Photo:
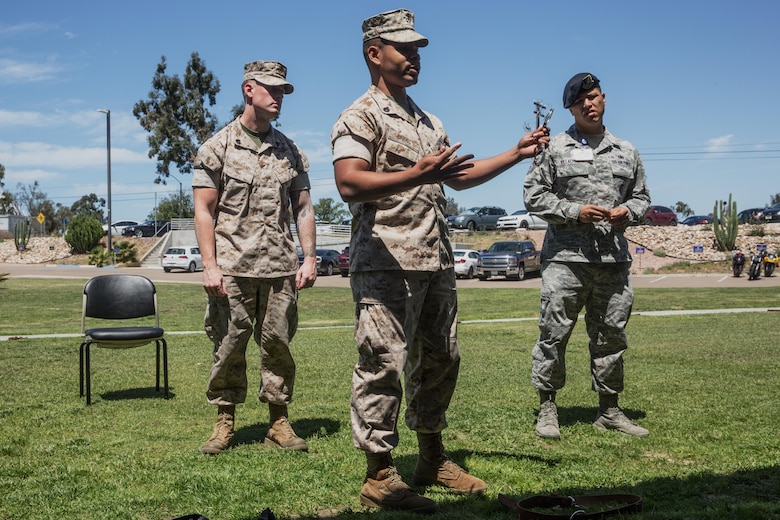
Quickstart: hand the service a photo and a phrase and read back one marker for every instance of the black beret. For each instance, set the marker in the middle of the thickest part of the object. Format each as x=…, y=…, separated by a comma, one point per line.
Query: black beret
x=578, y=85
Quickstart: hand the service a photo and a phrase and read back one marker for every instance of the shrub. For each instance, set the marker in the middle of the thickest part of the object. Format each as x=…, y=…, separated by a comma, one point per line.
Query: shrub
x=660, y=252
x=99, y=257
x=83, y=234
x=756, y=231
x=127, y=253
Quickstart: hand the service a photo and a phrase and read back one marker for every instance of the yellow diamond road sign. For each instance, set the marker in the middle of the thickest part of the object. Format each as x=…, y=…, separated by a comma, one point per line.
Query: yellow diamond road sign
x=41, y=218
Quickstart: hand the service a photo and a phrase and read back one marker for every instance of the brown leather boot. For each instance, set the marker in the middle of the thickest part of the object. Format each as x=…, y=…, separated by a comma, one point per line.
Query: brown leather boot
x=223, y=431
x=280, y=433
x=435, y=468
x=383, y=487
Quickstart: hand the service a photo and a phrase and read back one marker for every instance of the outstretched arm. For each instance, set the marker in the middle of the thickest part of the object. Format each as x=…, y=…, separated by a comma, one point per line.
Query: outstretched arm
x=485, y=169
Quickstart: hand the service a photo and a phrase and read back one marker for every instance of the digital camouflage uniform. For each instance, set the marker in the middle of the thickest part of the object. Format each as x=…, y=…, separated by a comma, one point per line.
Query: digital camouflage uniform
x=584, y=264
x=402, y=277
x=257, y=256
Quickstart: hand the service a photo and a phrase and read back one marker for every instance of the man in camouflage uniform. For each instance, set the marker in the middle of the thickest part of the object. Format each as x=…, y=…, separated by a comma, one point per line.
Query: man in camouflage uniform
x=589, y=186
x=246, y=179
x=390, y=160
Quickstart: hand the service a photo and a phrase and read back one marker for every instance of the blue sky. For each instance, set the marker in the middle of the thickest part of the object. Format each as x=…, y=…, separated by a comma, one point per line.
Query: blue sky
x=692, y=84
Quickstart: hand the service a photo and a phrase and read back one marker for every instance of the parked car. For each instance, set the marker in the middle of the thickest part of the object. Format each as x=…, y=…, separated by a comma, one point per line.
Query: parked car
x=182, y=257
x=521, y=219
x=465, y=262
x=119, y=226
x=660, y=216
x=749, y=216
x=300, y=259
x=148, y=228
x=344, y=262
x=509, y=258
x=328, y=262
x=485, y=217
x=771, y=214
x=695, y=220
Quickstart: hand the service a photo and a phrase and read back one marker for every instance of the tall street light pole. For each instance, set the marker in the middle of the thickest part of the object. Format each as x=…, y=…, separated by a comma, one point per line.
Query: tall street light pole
x=181, y=195
x=108, y=155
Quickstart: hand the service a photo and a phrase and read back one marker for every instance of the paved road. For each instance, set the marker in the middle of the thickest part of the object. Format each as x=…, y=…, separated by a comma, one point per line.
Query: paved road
x=534, y=281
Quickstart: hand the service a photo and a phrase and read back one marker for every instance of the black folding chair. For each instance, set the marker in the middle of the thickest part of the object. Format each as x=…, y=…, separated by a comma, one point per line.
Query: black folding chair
x=120, y=297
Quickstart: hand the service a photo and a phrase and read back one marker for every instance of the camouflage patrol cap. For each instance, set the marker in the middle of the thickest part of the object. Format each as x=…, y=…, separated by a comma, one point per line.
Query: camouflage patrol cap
x=271, y=73
x=394, y=26
x=578, y=85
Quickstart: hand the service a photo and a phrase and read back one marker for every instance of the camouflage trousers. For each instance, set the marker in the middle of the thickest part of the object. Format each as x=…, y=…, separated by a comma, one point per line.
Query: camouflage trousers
x=605, y=292
x=405, y=321
x=268, y=308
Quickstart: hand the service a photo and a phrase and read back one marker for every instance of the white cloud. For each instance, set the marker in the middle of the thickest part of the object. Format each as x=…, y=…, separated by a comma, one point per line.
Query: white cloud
x=32, y=155
x=14, y=71
x=719, y=144
x=14, y=31
x=13, y=177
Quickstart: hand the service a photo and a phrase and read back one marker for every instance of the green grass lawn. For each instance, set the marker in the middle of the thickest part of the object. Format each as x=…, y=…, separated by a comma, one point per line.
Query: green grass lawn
x=706, y=386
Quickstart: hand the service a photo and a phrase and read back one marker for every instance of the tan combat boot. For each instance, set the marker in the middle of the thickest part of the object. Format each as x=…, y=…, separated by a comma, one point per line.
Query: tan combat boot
x=435, y=468
x=383, y=487
x=223, y=431
x=611, y=417
x=280, y=433
x=547, y=421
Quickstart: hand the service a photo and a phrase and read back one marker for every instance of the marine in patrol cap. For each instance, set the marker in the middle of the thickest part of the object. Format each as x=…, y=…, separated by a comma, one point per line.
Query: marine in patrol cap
x=271, y=73
x=578, y=85
x=394, y=26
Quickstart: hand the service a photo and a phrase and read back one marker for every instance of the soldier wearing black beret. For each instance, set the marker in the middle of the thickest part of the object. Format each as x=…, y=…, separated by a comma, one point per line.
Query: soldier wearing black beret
x=589, y=186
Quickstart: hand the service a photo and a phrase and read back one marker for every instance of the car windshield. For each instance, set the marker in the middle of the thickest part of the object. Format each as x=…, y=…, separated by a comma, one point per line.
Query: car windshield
x=174, y=251
x=520, y=212
x=459, y=253
x=504, y=247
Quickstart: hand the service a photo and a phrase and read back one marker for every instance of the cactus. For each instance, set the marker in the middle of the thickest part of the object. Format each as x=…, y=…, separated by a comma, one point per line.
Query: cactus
x=22, y=231
x=725, y=224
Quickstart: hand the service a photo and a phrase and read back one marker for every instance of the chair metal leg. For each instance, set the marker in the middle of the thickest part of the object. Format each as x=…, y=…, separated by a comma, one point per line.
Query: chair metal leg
x=157, y=367
x=87, y=371
x=81, y=370
x=165, y=365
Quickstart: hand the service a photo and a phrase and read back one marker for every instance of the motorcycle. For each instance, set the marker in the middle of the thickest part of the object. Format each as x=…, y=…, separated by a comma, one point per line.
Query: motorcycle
x=738, y=264
x=770, y=262
x=756, y=261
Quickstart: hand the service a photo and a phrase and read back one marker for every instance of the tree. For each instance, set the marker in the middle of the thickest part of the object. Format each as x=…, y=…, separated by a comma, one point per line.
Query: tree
x=175, y=115
x=170, y=206
x=7, y=206
x=30, y=200
x=774, y=199
x=682, y=208
x=62, y=216
x=328, y=210
x=452, y=207
x=89, y=205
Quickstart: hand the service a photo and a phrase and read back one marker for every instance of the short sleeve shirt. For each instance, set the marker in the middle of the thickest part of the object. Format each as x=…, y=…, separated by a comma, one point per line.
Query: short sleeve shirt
x=407, y=230
x=572, y=174
x=252, y=220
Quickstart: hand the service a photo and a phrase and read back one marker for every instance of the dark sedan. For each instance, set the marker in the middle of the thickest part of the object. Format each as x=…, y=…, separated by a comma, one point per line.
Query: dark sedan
x=695, y=220
x=148, y=228
x=330, y=261
x=771, y=214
